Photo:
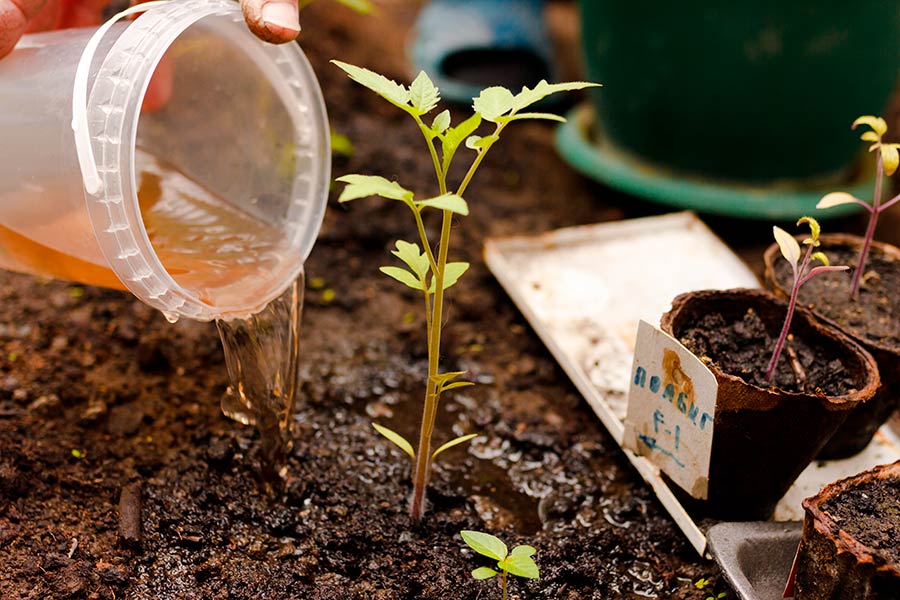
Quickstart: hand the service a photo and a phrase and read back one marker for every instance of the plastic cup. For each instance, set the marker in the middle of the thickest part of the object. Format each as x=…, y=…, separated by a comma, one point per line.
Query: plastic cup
x=246, y=121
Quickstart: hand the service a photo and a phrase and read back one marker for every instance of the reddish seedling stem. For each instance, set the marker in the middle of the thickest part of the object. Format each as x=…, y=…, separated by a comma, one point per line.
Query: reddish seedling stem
x=875, y=210
x=792, y=304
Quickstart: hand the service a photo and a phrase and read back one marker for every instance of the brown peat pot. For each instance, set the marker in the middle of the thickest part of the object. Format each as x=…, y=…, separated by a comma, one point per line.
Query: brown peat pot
x=873, y=320
x=765, y=435
x=850, y=549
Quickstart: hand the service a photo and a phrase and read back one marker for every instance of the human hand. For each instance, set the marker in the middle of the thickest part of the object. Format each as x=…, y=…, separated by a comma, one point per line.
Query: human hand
x=275, y=21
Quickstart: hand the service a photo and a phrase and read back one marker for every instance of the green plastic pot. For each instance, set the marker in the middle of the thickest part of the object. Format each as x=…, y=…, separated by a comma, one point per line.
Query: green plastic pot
x=741, y=91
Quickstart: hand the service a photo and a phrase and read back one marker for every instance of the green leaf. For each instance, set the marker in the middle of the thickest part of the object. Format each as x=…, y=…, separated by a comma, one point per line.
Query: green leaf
x=341, y=144
x=441, y=122
x=472, y=142
x=820, y=256
x=890, y=158
x=396, y=439
x=455, y=385
x=790, y=249
x=484, y=573
x=454, y=442
x=877, y=124
x=836, y=199
x=523, y=550
x=361, y=6
x=451, y=202
x=533, y=115
x=493, y=102
x=527, y=97
x=476, y=142
x=521, y=566
x=485, y=544
x=456, y=136
x=452, y=272
x=413, y=257
x=423, y=94
x=404, y=277
x=388, y=89
x=363, y=186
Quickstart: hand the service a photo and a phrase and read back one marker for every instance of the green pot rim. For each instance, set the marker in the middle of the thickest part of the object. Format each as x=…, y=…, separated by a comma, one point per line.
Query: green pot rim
x=781, y=200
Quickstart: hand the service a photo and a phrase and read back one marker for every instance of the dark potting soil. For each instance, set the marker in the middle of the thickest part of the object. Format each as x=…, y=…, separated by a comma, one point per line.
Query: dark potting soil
x=744, y=349
x=120, y=478
x=870, y=514
x=874, y=315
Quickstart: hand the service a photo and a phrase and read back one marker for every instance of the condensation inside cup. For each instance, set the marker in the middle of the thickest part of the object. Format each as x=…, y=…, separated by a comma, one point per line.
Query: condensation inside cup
x=216, y=164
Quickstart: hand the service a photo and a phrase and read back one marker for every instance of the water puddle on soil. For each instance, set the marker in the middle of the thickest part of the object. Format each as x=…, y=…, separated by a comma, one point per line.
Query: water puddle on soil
x=262, y=353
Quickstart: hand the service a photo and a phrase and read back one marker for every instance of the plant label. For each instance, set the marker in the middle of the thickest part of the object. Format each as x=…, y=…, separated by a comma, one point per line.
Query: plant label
x=671, y=409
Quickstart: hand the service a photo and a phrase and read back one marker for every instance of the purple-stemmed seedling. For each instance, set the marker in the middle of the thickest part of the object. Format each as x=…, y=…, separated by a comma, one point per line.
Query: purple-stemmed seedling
x=887, y=160
x=791, y=251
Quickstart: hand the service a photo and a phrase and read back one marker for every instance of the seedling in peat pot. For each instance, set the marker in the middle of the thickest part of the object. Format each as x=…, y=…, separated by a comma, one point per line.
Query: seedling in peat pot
x=887, y=160
x=790, y=249
x=519, y=562
x=428, y=270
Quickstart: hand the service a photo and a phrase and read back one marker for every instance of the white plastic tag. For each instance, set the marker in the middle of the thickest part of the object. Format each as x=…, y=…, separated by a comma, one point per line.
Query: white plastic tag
x=671, y=409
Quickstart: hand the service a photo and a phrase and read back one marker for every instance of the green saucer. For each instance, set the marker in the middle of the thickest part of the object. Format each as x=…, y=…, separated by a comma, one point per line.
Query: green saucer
x=777, y=201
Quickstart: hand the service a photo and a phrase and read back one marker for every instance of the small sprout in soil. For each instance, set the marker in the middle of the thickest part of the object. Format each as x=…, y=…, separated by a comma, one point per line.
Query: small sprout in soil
x=701, y=583
x=519, y=562
x=887, y=160
x=719, y=597
x=426, y=266
x=76, y=453
x=790, y=249
x=341, y=144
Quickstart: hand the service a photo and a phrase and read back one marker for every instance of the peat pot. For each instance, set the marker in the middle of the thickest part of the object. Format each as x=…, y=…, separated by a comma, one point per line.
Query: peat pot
x=850, y=549
x=873, y=320
x=766, y=434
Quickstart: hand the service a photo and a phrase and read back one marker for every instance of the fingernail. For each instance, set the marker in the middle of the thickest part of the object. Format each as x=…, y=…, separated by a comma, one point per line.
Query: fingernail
x=281, y=14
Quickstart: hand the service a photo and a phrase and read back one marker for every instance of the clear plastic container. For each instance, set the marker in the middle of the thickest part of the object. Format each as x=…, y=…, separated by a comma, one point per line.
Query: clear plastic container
x=205, y=208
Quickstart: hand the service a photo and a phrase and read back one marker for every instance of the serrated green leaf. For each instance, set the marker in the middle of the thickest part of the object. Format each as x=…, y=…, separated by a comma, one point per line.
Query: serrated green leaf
x=452, y=202
x=423, y=94
x=878, y=125
x=454, y=442
x=535, y=115
x=520, y=566
x=493, y=102
x=363, y=186
x=485, y=544
x=414, y=258
x=396, y=439
x=789, y=247
x=523, y=550
x=484, y=573
x=403, y=276
x=890, y=158
x=452, y=272
x=456, y=136
x=441, y=122
x=388, y=89
x=836, y=199
x=527, y=97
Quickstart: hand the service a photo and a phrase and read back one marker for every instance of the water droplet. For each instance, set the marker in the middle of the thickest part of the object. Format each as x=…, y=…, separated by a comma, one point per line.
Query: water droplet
x=170, y=317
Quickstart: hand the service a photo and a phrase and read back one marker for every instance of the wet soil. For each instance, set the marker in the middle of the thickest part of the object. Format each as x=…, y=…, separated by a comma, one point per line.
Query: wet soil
x=120, y=478
x=744, y=348
x=875, y=315
x=870, y=514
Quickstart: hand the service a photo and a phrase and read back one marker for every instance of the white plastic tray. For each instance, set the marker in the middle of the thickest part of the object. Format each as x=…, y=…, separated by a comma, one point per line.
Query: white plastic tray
x=584, y=289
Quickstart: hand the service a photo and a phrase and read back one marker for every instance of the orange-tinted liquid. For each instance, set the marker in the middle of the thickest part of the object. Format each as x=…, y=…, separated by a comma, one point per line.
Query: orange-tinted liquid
x=223, y=255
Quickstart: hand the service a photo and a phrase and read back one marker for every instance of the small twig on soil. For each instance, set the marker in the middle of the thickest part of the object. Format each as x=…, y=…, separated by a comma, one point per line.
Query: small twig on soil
x=130, y=515
x=796, y=367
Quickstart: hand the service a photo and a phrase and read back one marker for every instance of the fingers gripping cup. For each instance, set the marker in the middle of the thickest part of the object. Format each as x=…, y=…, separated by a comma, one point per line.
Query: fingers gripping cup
x=204, y=207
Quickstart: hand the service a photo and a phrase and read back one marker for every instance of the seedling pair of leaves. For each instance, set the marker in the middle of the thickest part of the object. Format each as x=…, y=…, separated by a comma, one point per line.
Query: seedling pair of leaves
x=519, y=562
x=887, y=158
x=426, y=268
x=802, y=270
